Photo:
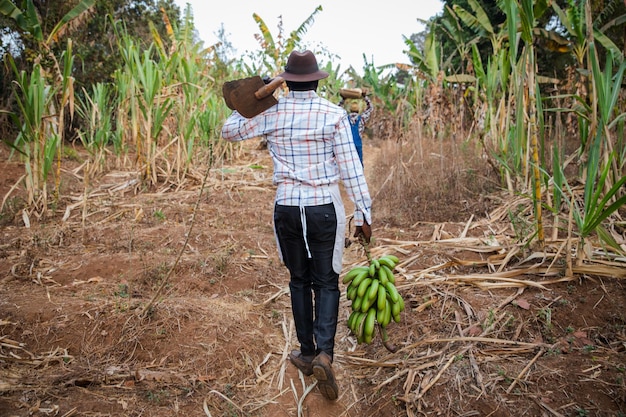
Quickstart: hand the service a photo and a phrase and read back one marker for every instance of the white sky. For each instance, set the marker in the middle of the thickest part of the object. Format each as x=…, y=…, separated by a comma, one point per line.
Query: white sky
x=344, y=27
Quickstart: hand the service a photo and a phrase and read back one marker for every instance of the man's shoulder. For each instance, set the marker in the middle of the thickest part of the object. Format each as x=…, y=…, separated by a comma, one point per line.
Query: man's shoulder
x=332, y=107
x=322, y=104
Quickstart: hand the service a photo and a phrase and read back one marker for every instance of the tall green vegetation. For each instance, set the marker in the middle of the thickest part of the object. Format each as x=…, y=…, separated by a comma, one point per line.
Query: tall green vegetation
x=42, y=97
x=37, y=140
x=157, y=112
x=169, y=103
x=43, y=61
x=521, y=115
x=604, y=173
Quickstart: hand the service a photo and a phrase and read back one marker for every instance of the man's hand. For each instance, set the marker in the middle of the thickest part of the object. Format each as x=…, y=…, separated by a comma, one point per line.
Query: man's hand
x=364, y=231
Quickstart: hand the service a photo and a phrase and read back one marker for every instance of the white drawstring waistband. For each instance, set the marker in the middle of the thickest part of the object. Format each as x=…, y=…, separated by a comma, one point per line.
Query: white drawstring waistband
x=304, y=231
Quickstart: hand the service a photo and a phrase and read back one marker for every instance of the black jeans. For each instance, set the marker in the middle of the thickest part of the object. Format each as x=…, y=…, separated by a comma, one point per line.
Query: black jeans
x=315, y=319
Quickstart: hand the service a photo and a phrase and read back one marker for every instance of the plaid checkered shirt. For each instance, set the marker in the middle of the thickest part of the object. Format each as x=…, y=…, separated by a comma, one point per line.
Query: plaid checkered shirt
x=310, y=142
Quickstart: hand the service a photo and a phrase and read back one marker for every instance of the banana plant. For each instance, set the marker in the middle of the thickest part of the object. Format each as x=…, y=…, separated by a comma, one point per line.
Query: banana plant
x=573, y=19
x=479, y=22
x=401, y=101
x=426, y=60
x=28, y=20
x=450, y=24
x=277, y=50
x=577, y=21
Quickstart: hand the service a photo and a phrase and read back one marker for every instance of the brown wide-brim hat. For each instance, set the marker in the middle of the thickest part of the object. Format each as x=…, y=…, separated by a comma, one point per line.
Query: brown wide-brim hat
x=302, y=67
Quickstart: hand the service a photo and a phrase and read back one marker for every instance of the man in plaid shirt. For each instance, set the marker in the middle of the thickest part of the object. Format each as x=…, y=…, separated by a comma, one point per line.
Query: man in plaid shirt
x=310, y=142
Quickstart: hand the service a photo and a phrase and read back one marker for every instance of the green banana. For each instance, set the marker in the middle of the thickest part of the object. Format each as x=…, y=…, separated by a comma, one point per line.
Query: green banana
x=351, y=274
x=376, y=263
x=385, y=260
x=401, y=301
x=368, y=327
x=372, y=292
x=382, y=276
x=395, y=308
x=393, y=259
x=367, y=338
x=366, y=304
x=359, y=327
x=351, y=293
x=351, y=318
x=372, y=269
x=381, y=298
x=380, y=315
x=356, y=304
x=392, y=291
x=387, y=316
x=389, y=274
x=375, y=298
x=359, y=278
x=364, y=286
x=396, y=317
x=355, y=322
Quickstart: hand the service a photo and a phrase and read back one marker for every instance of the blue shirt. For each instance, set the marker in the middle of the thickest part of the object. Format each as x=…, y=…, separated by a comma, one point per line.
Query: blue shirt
x=310, y=142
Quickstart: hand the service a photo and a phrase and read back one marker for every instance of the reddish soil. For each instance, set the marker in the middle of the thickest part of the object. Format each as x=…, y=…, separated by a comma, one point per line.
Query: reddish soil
x=213, y=342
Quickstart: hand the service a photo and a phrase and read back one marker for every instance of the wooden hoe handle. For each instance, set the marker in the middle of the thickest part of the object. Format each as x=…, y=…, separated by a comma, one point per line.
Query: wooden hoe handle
x=269, y=88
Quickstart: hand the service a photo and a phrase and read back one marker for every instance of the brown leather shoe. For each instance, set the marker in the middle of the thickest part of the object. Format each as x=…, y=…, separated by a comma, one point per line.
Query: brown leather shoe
x=302, y=362
x=323, y=371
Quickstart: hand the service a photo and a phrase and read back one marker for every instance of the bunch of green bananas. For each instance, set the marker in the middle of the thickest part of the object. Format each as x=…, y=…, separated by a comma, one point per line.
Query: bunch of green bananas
x=374, y=297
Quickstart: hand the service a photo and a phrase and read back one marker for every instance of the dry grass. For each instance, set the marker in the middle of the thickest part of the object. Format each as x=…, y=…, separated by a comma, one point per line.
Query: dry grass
x=430, y=180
